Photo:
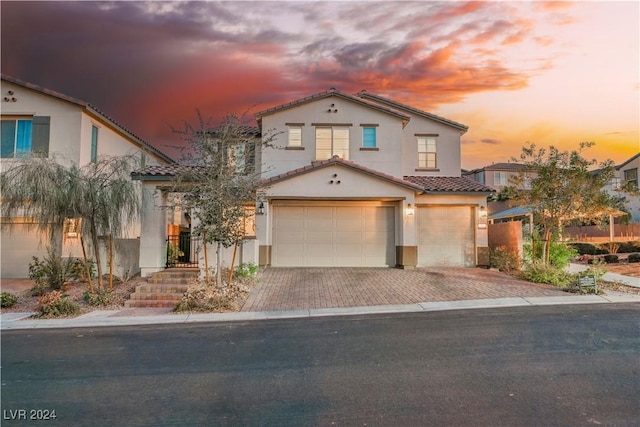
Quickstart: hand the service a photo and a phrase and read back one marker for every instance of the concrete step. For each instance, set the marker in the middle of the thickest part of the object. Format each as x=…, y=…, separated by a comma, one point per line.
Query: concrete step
x=162, y=288
x=181, y=276
x=155, y=296
x=132, y=303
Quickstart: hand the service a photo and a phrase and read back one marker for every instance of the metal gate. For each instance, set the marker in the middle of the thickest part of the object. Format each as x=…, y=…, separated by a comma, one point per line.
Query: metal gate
x=183, y=250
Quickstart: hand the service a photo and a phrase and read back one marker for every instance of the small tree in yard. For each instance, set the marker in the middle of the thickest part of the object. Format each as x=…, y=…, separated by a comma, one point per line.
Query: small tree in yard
x=218, y=180
x=558, y=187
x=101, y=194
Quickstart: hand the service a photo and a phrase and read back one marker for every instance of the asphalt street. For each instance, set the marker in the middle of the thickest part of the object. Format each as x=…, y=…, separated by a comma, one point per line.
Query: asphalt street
x=546, y=365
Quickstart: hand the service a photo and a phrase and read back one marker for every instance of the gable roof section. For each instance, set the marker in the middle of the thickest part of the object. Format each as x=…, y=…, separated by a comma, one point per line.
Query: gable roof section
x=621, y=165
x=397, y=105
x=448, y=184
x=509, y=167
x=335, y=160
x=94, y=112
x=331, y=93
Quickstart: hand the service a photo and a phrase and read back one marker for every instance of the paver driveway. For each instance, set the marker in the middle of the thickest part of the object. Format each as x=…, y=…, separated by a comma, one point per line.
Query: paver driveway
x=310, y=288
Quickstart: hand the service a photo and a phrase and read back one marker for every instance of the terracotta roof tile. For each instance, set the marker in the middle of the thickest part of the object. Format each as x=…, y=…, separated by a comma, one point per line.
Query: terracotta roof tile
x=448, y=184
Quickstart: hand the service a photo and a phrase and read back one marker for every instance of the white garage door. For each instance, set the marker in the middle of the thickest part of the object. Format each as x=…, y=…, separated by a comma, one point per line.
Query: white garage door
x=446, y=237
x=19, y=245
x=333, y=236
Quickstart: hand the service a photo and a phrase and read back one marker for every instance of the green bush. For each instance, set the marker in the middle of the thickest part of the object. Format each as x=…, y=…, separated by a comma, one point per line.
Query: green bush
x=504, y=259
x=588, y=249
x=7, y=300
x=246, y=270
x=629, y=247
x=560, y=254
x=611, y=259
x=635, y=257
x=55, y=304
x=551, y=275
x=50, y=273
x=99, y=298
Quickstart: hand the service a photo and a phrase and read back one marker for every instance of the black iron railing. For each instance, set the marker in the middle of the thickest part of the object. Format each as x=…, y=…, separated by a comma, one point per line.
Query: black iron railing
x=183, y=250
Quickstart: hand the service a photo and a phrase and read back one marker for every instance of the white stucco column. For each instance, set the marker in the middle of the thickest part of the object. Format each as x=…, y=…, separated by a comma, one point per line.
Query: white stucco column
x=153, y=236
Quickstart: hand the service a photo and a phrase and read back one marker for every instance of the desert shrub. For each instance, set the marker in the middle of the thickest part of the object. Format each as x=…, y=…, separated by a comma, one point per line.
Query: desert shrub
x=246, y=270
x=611, y=259
x=635, y=257
x=208, y=298
x=56, y=304
x=586, y=248
x=629, y=247
x=7, y=300
x=78, y=270
x=50, y=273
x=560, y=254
x=98, y=298
x=550, y=274
x=505, y=259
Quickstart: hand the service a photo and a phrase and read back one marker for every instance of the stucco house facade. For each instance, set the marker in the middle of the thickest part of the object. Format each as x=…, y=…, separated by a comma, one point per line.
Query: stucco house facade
x=626, y=173
x=36, y=119
x=350, y=180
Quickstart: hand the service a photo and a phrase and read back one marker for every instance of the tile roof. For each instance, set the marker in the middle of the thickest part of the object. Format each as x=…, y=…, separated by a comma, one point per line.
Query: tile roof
x=448, y=184
x=381, y=99
x=513, y=167
x=335, y=160
x=331, y=92
x=157, y=172
x=92, y=110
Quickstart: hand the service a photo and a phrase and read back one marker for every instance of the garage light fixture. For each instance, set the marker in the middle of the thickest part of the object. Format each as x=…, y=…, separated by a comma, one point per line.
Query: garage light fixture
x=260, y=210
x=409, y=210
x=483, y=212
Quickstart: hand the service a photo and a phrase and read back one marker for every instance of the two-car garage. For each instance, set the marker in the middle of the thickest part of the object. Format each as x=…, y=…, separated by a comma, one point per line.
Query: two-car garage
x=361, y=234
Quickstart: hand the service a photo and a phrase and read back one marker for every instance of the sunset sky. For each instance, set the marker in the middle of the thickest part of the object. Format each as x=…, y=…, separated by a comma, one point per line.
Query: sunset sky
x=550, y=73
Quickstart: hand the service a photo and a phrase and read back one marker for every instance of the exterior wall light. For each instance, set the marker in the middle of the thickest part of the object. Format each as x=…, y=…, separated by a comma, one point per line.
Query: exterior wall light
x=410, y=209
x=260, y=210
x=482, y=213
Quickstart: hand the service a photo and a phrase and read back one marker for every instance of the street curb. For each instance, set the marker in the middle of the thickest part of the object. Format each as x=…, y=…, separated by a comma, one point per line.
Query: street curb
x=100, y=318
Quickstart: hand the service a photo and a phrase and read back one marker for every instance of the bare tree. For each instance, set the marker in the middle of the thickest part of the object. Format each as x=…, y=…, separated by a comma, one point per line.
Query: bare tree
x=218, y=180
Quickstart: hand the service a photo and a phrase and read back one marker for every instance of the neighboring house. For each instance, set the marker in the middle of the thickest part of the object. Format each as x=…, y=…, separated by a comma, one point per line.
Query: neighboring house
x=35, y=119
x=497, y=175
x=351, y=180
x=626, y=174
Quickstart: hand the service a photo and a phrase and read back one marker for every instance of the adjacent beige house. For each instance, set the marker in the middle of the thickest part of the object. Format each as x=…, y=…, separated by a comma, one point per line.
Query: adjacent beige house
x=351, y=180
x=33, y=119
x=626, y=173
x=496, y=175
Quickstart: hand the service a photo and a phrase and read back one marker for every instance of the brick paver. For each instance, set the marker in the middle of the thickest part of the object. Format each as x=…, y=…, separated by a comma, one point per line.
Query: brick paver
x=311, y=288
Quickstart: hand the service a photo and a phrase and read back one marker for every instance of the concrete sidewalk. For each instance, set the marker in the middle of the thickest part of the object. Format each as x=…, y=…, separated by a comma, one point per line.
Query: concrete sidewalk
x=13, y=321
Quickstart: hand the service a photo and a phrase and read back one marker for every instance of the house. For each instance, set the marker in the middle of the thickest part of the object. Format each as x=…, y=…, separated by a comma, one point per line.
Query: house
x=350, y=180
x=496, y=175
x=36, y=119
x=626, y=174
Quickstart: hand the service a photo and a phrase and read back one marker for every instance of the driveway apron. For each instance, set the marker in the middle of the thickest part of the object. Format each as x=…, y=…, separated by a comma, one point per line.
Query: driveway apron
x=310, y=288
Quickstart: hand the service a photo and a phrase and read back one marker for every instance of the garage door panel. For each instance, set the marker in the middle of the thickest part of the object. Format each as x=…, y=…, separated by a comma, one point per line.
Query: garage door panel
x=446, y=236
x=334, y=236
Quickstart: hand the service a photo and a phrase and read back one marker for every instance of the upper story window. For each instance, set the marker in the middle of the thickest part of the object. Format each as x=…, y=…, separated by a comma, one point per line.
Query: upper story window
x=94, y=144
x=332, y=141
x=427, y=154
x=499, y=178
x=631, y=176
x=238, y=157
x=24, y=136
x=295, y=136
x=369, y=137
